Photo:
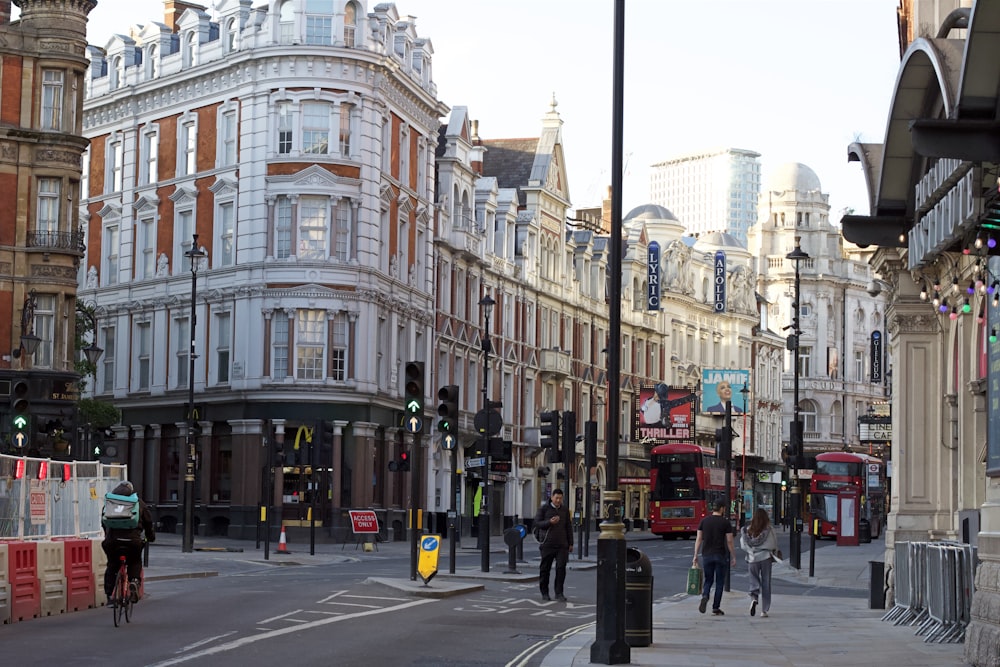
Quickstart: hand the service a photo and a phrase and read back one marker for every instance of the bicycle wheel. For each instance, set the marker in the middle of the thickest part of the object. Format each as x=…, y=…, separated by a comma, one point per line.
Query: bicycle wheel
x=120, y=597
x=119, y=608
x=127, y=606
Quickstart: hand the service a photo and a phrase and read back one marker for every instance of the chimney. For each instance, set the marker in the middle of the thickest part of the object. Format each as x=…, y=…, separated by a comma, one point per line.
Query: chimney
x=172, y=11
x=4, y=12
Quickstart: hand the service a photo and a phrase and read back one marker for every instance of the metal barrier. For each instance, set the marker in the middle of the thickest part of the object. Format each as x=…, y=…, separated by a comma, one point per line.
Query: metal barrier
x=934, y=583
x=42, y=498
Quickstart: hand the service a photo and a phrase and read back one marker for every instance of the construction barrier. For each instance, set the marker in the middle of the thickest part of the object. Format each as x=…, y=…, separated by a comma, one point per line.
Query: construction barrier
x=22, y=559
x=51, y=578
x=79, y=574
x=99, y=561
x=934, y=585
x=5, y=597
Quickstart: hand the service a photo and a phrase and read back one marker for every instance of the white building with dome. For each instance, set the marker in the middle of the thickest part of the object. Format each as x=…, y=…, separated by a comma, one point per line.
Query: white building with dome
x=839, y=377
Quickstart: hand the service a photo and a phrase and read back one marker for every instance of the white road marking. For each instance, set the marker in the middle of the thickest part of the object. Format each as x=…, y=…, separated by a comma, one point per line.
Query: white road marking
x=278, y=618
x=244, y=641
x=204, y=641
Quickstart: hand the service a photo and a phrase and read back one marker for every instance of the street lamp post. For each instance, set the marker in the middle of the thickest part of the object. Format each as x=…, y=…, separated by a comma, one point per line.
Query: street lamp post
x=194, y=255
x=745, y=392
x=795, y=437
x=486, y=303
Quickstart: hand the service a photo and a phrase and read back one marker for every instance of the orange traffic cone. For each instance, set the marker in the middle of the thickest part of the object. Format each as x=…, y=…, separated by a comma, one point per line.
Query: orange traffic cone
x=283, y=543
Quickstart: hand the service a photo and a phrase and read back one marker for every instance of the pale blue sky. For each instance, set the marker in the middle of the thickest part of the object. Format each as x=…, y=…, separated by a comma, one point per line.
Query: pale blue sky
x=795, y=80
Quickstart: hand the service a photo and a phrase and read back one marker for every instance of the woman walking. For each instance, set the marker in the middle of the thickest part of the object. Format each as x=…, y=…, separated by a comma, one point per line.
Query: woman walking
x=760, y=542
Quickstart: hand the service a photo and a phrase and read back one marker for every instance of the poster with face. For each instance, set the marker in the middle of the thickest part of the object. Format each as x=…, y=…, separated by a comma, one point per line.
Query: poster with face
x=664, y=414
x=720, y=385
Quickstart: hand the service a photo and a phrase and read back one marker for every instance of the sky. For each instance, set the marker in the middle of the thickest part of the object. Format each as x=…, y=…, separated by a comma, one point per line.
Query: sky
x=795, y=80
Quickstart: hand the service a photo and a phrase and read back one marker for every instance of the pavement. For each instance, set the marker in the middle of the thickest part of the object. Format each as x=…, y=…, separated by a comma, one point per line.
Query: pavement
x=828, y=624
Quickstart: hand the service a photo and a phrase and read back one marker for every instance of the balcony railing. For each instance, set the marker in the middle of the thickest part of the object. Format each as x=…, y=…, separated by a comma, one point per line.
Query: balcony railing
x=554, y=362
x=67, y=241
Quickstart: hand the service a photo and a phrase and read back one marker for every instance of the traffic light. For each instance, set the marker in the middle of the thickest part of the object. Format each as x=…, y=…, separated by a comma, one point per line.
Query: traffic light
x=19, y=407
x=549, y=434
x=590, y=444
x=569, y=438
x=323, y=454
x=402, y=461
x=784, y=485
x=795, y=439
x=448, y=409
x=724, y=443
x=413, y=389
x=501, y=450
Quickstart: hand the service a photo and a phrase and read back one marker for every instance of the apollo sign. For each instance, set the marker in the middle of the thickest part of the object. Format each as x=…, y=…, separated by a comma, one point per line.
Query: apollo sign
x=719, y=281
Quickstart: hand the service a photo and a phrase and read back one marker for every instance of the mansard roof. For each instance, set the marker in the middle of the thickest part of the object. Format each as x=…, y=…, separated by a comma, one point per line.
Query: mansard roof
x=510, y=161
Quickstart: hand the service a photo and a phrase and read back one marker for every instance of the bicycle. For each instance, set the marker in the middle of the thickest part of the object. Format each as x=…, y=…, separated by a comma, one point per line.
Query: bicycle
x=121, y=596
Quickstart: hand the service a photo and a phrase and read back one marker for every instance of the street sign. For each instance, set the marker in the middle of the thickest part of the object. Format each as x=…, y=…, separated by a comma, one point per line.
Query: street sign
x=414, y=424
x=427, y=564
x=448, y=442
x=488, y=421
x=20, y=439
x=476, y=462
x=363, y=521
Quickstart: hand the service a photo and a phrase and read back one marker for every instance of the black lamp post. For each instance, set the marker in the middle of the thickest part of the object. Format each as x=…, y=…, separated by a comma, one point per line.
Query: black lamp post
x=795, y=439
x=194, y=255
x=486, y=303
x=29, y=341
x=92, y=352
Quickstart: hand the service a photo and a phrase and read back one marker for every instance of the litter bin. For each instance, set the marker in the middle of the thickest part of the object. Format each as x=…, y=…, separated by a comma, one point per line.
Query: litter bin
x=876, y=585
x=864, y=531
x=638, y=598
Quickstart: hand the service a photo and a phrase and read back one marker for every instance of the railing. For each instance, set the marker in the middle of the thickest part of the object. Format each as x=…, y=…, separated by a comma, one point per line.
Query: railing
x=933, y=588
x=72, y=241
x=60, y=504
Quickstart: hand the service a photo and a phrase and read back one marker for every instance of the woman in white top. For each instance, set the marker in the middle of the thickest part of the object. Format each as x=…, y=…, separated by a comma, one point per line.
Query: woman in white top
x=760, y=542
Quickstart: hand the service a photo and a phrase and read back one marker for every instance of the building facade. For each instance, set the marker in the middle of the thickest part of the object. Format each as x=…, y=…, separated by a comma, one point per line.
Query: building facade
x=710, y=191
x=42, y=72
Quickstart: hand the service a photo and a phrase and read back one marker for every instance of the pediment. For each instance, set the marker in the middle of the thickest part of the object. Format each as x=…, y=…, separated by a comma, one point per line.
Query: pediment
x=182, y=193
x=146, y=200
x=224, y=186
x=111, y=209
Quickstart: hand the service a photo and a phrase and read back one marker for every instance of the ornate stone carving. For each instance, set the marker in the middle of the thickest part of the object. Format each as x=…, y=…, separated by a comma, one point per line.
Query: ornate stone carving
x=914, y=323
x=52, y=155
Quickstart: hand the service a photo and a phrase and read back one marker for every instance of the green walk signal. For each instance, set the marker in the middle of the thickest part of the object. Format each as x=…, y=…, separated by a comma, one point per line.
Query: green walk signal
x=20, y=422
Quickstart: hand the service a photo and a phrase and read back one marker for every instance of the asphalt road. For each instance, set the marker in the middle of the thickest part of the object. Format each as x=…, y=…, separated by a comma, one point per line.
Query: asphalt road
x=258, y=613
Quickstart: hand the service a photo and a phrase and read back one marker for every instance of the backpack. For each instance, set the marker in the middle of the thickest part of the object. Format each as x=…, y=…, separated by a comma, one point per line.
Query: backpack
x=120, y=512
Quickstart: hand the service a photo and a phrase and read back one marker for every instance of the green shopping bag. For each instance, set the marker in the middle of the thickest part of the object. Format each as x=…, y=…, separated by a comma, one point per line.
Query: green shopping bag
x=694, y=581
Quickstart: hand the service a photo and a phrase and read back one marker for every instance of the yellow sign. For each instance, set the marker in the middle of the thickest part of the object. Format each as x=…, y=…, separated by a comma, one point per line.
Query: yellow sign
x=427, y=562
x=303, y=431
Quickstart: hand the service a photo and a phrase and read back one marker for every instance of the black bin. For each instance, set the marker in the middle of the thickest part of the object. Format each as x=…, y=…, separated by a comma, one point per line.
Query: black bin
x=876, y=585
x=864, y=531
x=638, y=598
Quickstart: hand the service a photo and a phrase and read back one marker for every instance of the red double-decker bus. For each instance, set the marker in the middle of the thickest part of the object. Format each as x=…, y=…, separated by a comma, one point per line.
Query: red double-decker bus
x=834, y=471
x=685, y=480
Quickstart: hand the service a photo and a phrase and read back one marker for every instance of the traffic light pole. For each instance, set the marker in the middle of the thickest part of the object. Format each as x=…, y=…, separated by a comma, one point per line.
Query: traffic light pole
x=415, y=468
x=486, y=303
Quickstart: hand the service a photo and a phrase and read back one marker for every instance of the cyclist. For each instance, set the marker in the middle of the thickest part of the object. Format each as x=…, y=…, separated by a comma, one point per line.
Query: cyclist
x=123, y=535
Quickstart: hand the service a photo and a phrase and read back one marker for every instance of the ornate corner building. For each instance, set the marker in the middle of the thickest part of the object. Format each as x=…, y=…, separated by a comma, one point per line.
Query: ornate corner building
x=42, y=72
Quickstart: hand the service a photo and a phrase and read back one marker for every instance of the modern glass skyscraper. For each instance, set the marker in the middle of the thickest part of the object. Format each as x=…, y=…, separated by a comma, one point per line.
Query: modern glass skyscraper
x=710, y=191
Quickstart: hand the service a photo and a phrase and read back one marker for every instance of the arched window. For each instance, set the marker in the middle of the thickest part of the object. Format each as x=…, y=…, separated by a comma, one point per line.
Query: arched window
x=231, y=35
x=117, y=72
x=350, y=24
x=188, y=55
x=154, y=62
x=809, y=417
x=286, y=22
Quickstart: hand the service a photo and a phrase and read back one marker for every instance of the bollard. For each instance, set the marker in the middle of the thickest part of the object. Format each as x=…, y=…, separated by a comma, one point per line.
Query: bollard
x=513, y=537
x=876, y=585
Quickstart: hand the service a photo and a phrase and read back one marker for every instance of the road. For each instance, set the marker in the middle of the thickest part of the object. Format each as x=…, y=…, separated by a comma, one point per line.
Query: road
x=258, y=613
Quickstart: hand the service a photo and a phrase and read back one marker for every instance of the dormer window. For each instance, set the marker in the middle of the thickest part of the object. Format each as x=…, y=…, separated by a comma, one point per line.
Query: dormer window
x=231, y=35
x=319, y=21
x=286, y=22
x=189, y=44
x=350, y=24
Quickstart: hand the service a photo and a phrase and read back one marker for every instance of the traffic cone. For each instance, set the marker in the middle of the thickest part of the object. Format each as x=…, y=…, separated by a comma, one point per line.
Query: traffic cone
x=283, y=543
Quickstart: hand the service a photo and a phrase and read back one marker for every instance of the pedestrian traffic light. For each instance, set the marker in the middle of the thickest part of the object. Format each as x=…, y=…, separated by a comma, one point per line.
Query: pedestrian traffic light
x=590, y=444
x=448, y=409
x=548, y=434
x=413, y=389
x=569, y=438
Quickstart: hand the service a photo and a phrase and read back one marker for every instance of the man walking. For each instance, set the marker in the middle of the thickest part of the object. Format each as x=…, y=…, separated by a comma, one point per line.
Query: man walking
x=718, y=553
x=555, y=541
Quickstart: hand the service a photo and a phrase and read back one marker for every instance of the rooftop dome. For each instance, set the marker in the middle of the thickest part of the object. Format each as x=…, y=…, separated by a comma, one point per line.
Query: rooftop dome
x=718, y=240
x=649, y=212
x=793, y=176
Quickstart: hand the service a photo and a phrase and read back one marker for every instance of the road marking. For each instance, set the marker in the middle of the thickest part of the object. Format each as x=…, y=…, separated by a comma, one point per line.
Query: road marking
x=527, y=654
x=204, y=641
x=244, y=641
x=278, y=618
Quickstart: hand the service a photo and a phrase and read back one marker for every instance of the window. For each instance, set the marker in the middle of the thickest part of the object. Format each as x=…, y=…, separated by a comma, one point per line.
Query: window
x=45, y=318
x=188, y=144
x=222, y=347
x=859, y=365
x=113, y=167
x=153, y=59
x=319, y=22
x=309, y=344
x=404, y=155
x=182, y=348
x=284, y=128
x=316, y=128
x=117, y=73
x=230, y=35
x=350, y=22
x=108, y=360
x=338, y=347
x=146, y=248
x=344, y=231
x=312, y=227
x=149, y=155
x=807, y=413
x=52, y=99
x=189, y=44
x=227, y=138
x=345, y=129
x=110, y=248
x=227, y=232
x=280, y=345
x=283, y=228
x=805, y=360
x=47, y=219
x=143, y=346
x=286, y=22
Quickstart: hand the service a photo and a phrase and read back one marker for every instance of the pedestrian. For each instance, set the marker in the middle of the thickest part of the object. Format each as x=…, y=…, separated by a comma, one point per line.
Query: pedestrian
x=760, y=543
x=715, y=540
x=555, y=542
